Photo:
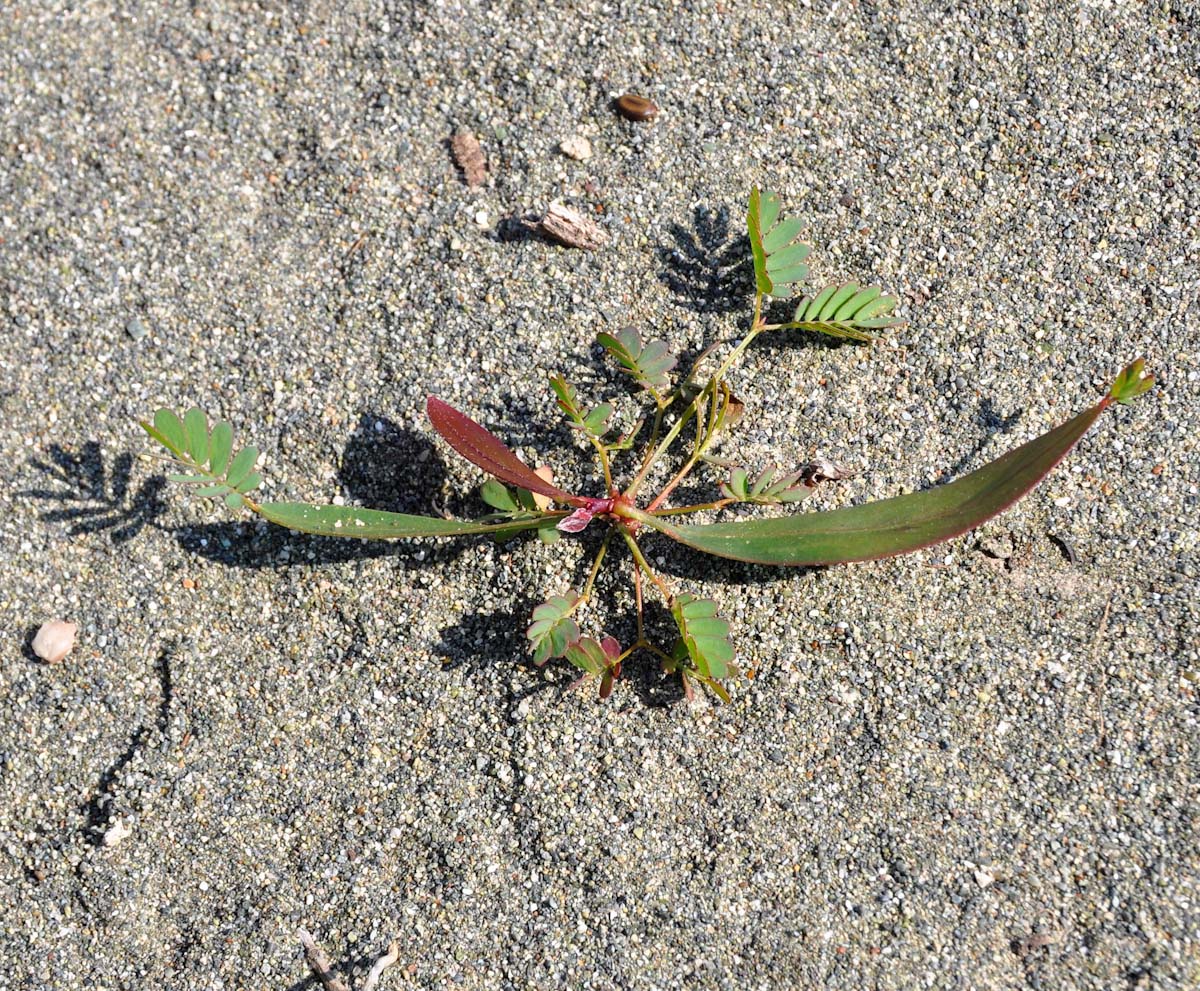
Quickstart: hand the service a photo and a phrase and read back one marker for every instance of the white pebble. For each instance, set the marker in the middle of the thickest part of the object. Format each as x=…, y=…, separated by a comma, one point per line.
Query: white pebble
x=116, y=832
x=54, y=640
x=481, y=218
x=578, y=148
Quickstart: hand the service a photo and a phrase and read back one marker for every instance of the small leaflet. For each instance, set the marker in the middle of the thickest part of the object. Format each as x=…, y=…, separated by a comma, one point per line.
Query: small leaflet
x=468, y=155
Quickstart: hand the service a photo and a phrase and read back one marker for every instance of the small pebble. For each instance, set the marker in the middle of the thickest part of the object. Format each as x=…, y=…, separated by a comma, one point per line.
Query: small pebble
x=634, y=107
x=117, y=832
x=481, y=218
x=54, y=640
x=578, y=148
x=136, y=329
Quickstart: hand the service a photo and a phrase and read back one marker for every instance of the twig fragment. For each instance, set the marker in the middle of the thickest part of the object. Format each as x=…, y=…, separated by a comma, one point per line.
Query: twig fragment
x=570, y=227
x=318, y=963
x=382, y=964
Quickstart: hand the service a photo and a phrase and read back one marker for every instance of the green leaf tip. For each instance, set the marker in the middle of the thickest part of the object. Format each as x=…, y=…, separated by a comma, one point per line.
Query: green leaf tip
x=1131, y=383
x=778, y=256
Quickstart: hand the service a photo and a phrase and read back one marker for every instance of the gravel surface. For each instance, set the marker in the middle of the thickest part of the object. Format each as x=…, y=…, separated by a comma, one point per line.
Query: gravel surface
x=974, y=767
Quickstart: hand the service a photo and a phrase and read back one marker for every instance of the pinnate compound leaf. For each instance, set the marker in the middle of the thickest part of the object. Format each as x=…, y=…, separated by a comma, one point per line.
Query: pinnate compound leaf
x=648, y=364
x=553, y=629
x=704, y=634
x=891, y=526
x=205, y=455
x=594, y=422
x=847, y=311
x=766, y=489
x=483, y=448
x=778, y=260
x=597, y=659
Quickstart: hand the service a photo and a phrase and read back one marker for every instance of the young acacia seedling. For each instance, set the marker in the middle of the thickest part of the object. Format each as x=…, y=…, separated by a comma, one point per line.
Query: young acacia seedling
x=685, y=417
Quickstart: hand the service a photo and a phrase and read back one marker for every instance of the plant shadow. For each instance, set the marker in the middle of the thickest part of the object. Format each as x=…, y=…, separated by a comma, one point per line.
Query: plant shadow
x=708, y=268
x=388, y=467
x=93, y=498
x=993, y=423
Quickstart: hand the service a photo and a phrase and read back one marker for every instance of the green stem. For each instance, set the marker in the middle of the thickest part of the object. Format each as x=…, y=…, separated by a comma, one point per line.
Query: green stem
x=587, y=589
x=653, y=453
x=644, y=564
x=756, y=327
x=696, y=508
x=637, y=595
x=602, y=451
x=658, y=452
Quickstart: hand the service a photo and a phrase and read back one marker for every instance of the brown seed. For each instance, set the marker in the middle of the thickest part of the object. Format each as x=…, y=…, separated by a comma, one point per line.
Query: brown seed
x=634, y=107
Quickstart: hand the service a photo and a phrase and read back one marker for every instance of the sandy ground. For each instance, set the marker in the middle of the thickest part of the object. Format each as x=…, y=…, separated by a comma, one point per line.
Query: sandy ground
x=965, y=768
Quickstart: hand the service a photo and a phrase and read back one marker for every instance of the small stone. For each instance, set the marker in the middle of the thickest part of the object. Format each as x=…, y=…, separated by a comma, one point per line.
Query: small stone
x=984, y=877
x=54, y=640
x=634, y=107
x=136, y=329
x=1001, y=548
x=481, y=218
x=117, y=832
x=577, y=147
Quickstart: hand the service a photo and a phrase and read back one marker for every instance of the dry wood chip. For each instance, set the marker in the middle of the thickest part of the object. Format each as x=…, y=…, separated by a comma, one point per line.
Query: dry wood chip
x=318, y=963
x=824, y=470
x=469, y=157
x=570, y=227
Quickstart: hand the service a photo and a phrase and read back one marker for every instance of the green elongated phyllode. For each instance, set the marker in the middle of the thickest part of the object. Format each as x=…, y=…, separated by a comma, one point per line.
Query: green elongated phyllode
x=891, y=526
